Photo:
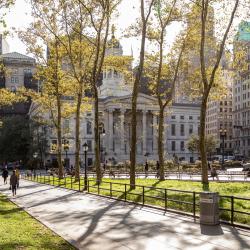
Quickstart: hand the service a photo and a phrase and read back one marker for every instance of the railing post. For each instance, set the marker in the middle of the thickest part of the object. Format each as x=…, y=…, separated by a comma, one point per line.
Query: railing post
x=88, y=186
x=53, y=180
x=40, y=178
x=64, y=181
x=166, y=199
x=44, y=179
x=143, y=198
x=49, y=179
x=98, y=187
x=194, y=204
x=110, y=184
x=232, y=210
x=71, y=184
x=125, y=192
x=79, y=184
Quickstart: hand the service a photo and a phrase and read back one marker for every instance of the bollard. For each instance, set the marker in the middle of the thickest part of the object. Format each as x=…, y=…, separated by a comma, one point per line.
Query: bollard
x=166, y=199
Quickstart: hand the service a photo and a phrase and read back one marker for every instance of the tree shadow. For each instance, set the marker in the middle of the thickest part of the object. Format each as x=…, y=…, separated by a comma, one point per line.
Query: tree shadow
x=10, y=211
x=45, y=244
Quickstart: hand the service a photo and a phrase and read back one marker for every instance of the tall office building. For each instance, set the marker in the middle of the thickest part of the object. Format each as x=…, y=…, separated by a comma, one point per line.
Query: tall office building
x=219, y=120
x=241, y=93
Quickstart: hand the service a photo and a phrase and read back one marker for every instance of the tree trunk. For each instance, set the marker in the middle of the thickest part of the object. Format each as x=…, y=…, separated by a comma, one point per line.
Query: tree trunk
x=161, y=143
x=97, y=137
x=202, y=145
x=134, y=109
x=133, y=139
x=77, y=139
x=59, y=138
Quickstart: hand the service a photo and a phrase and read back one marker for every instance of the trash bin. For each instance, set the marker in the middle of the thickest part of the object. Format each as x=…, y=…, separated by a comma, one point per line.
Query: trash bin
x=209, y=208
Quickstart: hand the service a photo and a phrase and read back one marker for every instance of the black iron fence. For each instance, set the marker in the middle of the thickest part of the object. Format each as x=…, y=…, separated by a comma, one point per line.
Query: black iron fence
x=233, y=210
x=228, y=175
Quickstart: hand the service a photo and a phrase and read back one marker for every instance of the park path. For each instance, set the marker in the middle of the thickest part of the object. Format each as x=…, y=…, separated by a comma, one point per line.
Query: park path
x=90, y=222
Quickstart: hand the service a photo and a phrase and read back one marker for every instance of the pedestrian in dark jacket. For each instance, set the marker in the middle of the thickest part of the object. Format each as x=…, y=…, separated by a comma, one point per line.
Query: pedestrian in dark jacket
x=214, y=173
x=157, y=169
x=13, y=182
x=146, y=169
x=5, y=175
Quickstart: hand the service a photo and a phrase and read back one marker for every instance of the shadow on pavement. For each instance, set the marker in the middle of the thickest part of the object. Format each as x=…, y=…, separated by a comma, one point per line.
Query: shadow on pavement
x=110, y=223
x=211, y=230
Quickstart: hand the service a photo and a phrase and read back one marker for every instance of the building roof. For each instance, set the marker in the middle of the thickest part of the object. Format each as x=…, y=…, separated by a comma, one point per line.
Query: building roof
x=16, y=55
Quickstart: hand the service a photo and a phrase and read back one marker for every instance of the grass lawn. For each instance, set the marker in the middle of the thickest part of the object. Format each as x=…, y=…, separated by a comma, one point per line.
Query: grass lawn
x=154, y=196
x=18, y=230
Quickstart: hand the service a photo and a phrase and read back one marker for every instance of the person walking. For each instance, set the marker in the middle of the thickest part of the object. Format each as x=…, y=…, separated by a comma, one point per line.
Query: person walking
x=157, y=169
x=146, y=169
x=18, y=176
x=5, y=175
x=13, y=182
x=214, y=173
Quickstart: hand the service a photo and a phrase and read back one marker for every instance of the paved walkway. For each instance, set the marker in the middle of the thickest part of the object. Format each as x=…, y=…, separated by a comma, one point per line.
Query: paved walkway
x=93, y=223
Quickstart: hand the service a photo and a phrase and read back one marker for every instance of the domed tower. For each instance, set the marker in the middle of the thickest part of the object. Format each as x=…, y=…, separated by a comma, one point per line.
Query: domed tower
x=113, y=83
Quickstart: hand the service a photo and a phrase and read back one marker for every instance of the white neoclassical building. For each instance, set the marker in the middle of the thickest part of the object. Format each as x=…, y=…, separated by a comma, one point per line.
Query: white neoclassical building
x=182, y=120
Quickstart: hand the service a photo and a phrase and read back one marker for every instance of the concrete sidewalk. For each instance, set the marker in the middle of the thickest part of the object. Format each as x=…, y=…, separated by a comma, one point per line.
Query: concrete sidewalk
x=93, y=223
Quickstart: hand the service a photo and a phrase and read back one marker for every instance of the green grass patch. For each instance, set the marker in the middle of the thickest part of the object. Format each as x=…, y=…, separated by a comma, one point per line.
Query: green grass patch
x=18, y=230
x=155, y=193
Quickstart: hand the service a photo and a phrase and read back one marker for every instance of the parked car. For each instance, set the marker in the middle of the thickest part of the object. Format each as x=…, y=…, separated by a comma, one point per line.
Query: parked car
x=53, y=171
x=246, y=167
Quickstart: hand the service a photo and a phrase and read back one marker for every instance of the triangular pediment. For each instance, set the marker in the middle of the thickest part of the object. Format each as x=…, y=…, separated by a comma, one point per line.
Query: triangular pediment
x=142, y=99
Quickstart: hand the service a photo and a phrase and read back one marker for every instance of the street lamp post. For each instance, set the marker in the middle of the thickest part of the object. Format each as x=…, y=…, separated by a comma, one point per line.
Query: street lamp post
x=85, y=149
x=35, y=155
x=66, y=148
x=223, y=134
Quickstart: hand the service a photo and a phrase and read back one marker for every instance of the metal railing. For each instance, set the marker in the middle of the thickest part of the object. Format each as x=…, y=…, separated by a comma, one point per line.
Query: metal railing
x=230, y=176
x=174, y=200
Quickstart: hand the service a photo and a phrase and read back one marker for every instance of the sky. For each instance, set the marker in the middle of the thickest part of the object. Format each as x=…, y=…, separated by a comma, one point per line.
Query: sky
x=19, y=17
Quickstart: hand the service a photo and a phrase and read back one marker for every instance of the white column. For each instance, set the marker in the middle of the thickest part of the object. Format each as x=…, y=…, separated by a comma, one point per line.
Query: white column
x=122, y=148
x=111, y=136
x=155, y=135
x=165, y=135
x=144, y=131
x=106, y=127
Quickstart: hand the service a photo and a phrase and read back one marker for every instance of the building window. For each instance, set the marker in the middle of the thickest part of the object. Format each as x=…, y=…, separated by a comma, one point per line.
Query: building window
x=182, y=117
x=173, y=117
x=66, y=125
x=191, y=129
x=27, y=71
x=13, y=89
x=16, y=80
x=182, y=146
x=12, y=79
x=89, y=142
x=90, y=161
x=89, y=128
x=173, y=129
x=173, y=145
x=182, y=128
x=190, y=117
